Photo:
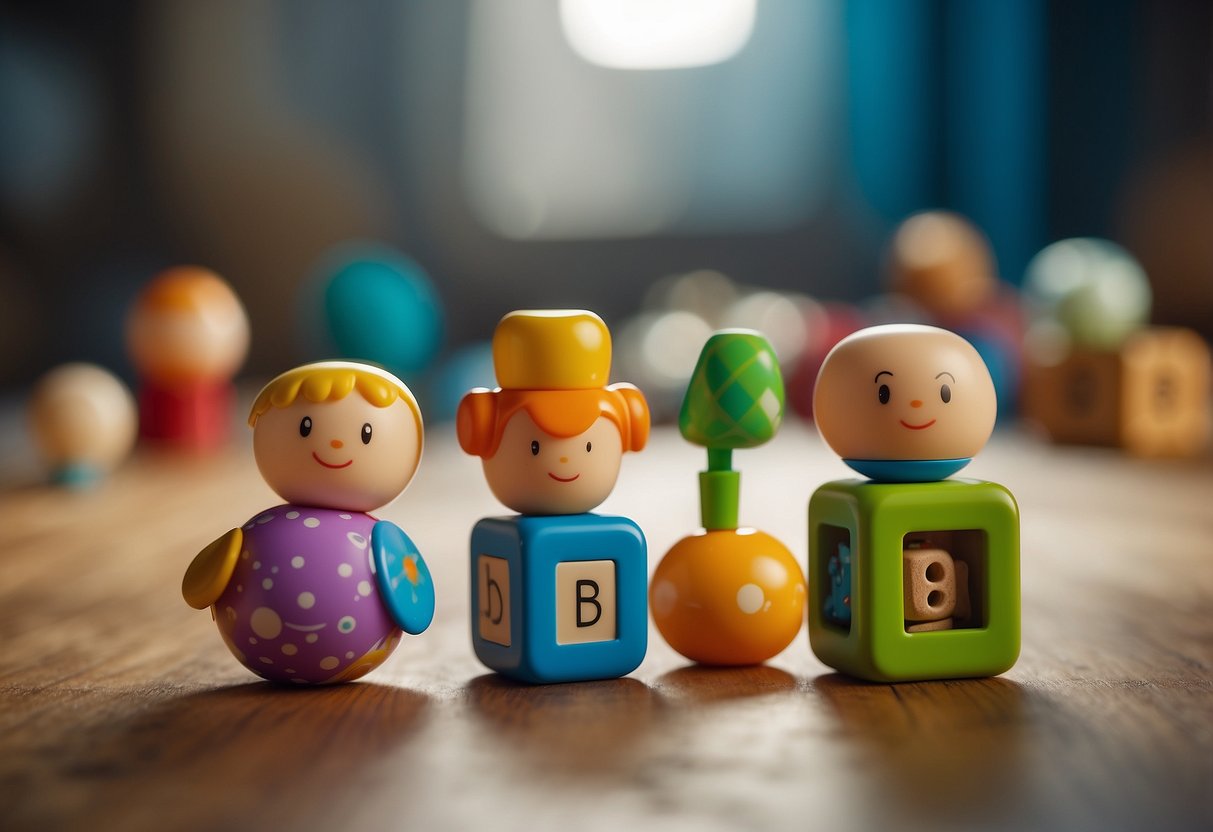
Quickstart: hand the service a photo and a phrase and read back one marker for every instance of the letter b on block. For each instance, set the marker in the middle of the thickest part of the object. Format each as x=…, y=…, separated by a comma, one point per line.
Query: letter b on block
x=493, y=617
x=585, y=601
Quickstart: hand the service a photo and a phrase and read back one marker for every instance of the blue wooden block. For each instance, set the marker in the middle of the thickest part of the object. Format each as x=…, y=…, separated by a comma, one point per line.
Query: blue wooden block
x=560, y=598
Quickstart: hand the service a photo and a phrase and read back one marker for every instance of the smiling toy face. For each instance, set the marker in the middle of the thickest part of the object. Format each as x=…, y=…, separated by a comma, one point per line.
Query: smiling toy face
x=904, y=392
x=343, y=454
x=533, y=472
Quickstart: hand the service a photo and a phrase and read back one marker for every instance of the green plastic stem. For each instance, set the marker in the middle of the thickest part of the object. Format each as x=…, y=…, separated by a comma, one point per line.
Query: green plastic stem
x=720, y=459
x=719, y=499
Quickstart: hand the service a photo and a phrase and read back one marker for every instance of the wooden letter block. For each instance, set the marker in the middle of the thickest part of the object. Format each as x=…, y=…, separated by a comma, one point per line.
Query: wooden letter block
x=493, y=617
x=585, y=601
x=1150, y=397
x=928, y=584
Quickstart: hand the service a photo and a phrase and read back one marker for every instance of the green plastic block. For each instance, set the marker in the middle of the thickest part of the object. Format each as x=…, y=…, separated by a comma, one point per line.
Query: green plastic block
x=977, y=522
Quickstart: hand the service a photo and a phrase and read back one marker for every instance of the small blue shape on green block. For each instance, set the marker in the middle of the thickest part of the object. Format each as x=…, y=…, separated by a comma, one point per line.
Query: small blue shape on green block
x=541, y=590
x=838, y=597
x=875, y=524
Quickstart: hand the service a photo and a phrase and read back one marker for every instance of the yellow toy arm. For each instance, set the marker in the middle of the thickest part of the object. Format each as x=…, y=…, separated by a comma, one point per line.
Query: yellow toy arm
x=212, y=568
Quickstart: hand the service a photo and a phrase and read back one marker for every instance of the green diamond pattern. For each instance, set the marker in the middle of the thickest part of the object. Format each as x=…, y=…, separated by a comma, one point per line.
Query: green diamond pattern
x=735, y=398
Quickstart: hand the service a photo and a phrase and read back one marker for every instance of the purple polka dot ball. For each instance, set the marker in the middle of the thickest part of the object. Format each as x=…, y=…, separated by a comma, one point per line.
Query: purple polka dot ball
x=301, y=605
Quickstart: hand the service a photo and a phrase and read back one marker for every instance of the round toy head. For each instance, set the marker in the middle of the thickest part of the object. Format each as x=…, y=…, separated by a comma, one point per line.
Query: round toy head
x=537, y=472
x=83, y=419
x=337, y=435
x=942, y=262
x=904, y=392
x=553, y=435
x=187, y=325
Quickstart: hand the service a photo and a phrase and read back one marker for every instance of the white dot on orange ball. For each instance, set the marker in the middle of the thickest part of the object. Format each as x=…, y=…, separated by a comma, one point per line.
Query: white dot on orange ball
x=750, y=598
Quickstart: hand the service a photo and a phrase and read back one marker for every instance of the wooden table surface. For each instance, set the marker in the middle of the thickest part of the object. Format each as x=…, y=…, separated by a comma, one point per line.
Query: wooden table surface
x=120, y=708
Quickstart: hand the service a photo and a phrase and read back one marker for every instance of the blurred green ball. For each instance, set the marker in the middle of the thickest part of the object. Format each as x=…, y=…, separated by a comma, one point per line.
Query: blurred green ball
x=1093, y=288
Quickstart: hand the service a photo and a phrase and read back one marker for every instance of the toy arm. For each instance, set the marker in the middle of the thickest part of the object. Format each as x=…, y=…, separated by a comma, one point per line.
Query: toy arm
x=211, y=569
x=403, y=579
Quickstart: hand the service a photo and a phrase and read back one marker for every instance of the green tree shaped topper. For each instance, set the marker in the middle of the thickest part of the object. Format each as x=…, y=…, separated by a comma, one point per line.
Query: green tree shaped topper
x=735, y=400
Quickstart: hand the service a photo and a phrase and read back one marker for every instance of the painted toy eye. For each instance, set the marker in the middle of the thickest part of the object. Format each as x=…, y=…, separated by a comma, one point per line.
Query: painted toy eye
x=588, y=445
x=366, y=433
x=945, y=393
x=305, y=427
x=535, y=447
x=883, y=394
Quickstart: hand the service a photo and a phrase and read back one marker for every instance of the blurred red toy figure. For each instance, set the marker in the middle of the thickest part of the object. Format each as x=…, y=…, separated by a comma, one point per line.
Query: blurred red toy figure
x=187, y=334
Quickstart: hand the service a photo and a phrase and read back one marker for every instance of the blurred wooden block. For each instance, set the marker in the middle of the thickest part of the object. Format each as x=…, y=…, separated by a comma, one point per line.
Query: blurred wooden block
x=929, y=626
x=1151, y=397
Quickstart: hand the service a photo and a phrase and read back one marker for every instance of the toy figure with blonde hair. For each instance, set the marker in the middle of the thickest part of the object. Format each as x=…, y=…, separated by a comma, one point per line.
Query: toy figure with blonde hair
x=558, y=593
x=316, y=590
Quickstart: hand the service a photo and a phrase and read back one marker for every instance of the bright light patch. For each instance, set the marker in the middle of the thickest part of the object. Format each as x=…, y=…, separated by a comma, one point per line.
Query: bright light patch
x=657, y=34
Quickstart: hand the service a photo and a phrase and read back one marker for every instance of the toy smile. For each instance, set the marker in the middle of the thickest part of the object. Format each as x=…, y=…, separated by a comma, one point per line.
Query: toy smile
x=923, y=426
x=300, y=628
x=563, y=479
x=347, y=463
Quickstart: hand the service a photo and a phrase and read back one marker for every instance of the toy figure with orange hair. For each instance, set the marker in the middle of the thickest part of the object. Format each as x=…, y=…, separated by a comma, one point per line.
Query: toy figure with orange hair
x=187, y=335
x=558, y=593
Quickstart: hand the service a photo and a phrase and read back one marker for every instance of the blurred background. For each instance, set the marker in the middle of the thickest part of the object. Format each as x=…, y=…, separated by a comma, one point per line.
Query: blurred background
x=576, y=152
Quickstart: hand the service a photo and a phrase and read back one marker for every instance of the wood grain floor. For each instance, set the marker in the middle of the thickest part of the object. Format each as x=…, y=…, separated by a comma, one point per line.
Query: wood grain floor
x=120, y=708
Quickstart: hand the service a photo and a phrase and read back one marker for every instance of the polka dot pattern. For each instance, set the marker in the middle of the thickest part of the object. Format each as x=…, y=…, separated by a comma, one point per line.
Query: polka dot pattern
x=320, y=607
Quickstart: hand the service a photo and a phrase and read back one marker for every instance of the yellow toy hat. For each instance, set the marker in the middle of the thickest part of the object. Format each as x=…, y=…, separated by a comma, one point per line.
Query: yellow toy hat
x=552, y=349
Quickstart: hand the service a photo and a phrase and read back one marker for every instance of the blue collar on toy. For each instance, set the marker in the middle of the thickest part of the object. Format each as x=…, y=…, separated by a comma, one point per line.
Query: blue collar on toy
x=907, y=470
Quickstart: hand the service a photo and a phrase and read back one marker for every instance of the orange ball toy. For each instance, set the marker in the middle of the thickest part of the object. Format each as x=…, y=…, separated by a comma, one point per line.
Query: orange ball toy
x=728, y=597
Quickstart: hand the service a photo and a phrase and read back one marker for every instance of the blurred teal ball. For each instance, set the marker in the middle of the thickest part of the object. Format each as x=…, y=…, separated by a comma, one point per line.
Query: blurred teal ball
x=1093, y=288
x=372, y=303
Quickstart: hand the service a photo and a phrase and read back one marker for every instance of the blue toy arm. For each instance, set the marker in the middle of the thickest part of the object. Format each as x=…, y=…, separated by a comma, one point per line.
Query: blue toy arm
x=403, y=579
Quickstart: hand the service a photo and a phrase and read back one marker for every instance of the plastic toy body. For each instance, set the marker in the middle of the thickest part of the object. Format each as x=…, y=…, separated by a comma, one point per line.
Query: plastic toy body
x=317, y=590
x=193, y=415
x=557, y=593
x=559, y=598
x=302, y=603
x=83, y=420
x=1150, y=396
x=914, y=576
x=187, y=335
x=729, y=595
x=876, y=526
